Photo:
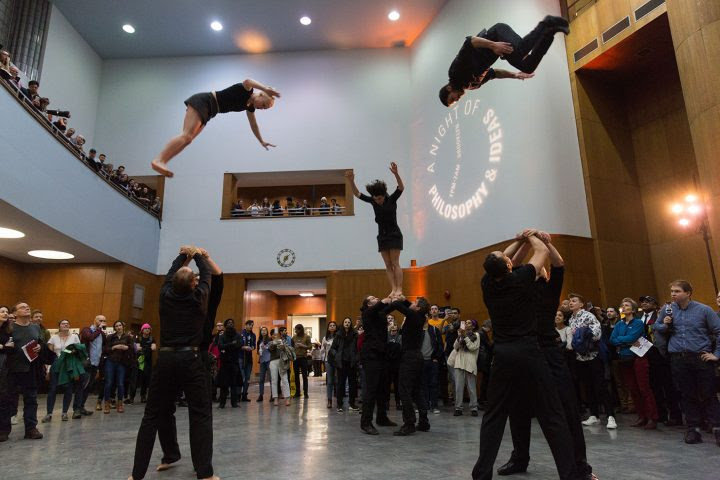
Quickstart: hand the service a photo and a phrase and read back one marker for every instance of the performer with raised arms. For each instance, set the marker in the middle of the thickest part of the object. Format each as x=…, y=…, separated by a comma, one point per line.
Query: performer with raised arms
x=389, y=238
x=201, y=107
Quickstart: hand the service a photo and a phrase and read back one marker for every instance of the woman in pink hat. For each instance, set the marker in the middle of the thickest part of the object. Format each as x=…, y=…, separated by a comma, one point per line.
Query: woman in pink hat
x=146, y=347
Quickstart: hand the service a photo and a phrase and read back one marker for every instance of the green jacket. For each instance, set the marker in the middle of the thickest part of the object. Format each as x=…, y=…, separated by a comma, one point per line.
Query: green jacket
x=70, y=366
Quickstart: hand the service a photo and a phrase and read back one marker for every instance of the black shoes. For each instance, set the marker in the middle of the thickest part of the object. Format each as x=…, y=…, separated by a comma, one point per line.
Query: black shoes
x=245, y=399
x=385, y=422
x=474, y=413
x=512, y=467
x=404, y=431
x=87, y=413
x=370, y=430
x=458, y=413
x=716, y=432
x=76, y=415
x=398, y=406
x=33, y=434
x=306, y=395
x=259, y=399
x=353, y=408
x=556, y=24
x=4, y=436
x=423, y=426
x=693, y=436
x=297, y=395
x=221, y=405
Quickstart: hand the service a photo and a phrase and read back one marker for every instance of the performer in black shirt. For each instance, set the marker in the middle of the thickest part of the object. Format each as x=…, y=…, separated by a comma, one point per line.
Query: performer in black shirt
x=374, y=357
x=519, y=367
x=471, y=67
x=183, y=312
x=411, y=365
x=167, y=428
x=553, y=349
x=389, y=238
x=201, y=107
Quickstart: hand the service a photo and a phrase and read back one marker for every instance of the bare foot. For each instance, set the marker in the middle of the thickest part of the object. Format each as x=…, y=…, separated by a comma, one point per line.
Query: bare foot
x=287, y=402
x=214, y=477
x=161, y=168
x=275, y=402
x=164, y=466
x=130, y=478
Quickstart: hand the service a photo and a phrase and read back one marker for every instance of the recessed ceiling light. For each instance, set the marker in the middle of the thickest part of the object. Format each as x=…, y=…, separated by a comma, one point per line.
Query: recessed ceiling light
x=305, y=20
x=306, y=294
x=128, y=28
x=10, y=233
x=394, y=15
x=217, y=26
x=51, y=254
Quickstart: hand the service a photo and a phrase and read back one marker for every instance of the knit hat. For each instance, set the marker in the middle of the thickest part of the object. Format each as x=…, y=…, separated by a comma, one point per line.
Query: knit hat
x=145, y=325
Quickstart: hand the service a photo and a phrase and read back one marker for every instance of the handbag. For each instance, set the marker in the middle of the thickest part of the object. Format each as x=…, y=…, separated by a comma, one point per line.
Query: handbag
x=451, y=358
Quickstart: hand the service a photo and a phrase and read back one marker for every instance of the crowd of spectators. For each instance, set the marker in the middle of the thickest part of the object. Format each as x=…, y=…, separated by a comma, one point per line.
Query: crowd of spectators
x=58, y=121
x=292, y=208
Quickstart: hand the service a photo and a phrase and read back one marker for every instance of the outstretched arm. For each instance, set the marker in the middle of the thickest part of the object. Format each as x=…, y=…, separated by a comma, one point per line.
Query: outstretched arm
x=394, y=170
x=351, y=178
x=540, y=252
x=249, y=84
x=256, y=130
x=516, y=75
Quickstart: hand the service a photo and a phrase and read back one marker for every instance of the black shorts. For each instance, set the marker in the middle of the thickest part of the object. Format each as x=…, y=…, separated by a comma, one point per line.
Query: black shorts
x=205, y=104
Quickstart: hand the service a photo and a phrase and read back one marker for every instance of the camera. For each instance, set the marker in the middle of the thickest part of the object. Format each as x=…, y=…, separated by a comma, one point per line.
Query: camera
x=58, y=113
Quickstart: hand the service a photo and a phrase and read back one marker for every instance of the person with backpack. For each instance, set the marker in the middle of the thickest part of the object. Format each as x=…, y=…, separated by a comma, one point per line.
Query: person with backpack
x=586, y=333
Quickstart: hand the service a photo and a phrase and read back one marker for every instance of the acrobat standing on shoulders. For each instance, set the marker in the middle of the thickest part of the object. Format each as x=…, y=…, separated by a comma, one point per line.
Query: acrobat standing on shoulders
x=471, y=67
x=201, y=107
x=389, y=238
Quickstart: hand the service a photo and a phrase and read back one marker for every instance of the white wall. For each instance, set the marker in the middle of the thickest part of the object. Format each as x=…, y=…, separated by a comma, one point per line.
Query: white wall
x=340, y=109
x=71, y=75
x=538, y=179
x=44, y=180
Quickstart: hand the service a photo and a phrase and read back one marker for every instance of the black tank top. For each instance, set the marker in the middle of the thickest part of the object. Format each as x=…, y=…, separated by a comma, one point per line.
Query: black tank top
x=234, y=99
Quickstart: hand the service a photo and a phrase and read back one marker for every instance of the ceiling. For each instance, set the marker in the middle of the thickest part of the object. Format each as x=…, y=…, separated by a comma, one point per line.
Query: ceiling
x=289, y=286
x=39, y=236
x=167, y=28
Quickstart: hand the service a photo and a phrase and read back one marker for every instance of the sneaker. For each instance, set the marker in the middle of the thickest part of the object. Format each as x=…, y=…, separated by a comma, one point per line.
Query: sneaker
x=436, y=411
x=458, y=413
x=46, y=418
x=65, y=417
x=693, y=436
x=611, y=423
x=423, y=426
x=98, y=406
x=405, y=430
x=13, y=420
x=474, y=413
x=340, y=410
x=87, y=413
x=76, y=415
x=353, y=408
x=592, y=420
x=33, y=434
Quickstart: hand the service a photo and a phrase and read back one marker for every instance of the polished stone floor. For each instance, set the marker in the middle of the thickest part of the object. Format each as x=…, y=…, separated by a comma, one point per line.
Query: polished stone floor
x=309, y=441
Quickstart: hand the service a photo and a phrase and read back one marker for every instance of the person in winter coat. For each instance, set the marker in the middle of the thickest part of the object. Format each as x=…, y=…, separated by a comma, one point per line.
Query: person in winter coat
x=344, y=354
x=465, y=363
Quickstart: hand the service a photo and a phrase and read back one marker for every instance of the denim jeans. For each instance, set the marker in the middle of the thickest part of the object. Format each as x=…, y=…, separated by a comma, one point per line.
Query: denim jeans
x=430, y=383
x=114, y=375
x=330, y=378
x=264, y=373
x=74, y=387
x=246, y=368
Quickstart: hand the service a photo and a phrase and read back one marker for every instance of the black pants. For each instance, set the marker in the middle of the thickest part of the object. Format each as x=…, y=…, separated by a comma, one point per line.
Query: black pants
x=667, y=398
x=229, y=372
x=527, y=51
x=174, y=371
x=91, y=382
x=301, y=366
x=521, y=374
x=393, y=378
x=520, y=420
x=695, y=380
x=145, y=376
x=591, y=373
x=19, y=384
x=345, y=374
x=443, y=383
x=374, y=391
x=411, y=386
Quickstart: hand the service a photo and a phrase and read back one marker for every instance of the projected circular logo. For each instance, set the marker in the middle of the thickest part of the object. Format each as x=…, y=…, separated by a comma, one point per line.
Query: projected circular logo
x=464, y=159
x=285, y=257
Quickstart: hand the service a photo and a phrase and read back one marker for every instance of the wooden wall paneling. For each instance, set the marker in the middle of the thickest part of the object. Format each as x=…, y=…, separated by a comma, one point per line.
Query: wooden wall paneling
x=295, y=305
x=10, y=275
x=150, y=312
x=229, y=185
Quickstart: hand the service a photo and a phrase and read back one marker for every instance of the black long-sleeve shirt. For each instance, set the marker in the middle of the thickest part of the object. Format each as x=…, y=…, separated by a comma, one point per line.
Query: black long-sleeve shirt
x=375, y=327
x=412, y=328
x=547, y=304
x=182, y=317
x=217, y=283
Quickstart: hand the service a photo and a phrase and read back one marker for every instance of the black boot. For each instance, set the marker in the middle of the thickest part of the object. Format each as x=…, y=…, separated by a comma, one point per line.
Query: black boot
x=512, y=467
x=369, y=429
x=405, y=430
x=259, y=399
x=556, y=24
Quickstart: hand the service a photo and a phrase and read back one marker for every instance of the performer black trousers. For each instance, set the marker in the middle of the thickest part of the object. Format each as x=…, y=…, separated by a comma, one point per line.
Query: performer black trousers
x=520, y=420
x=175, y=371
x=520, y=370
x=527, y=51
x=374, y=392
x=411, y=386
